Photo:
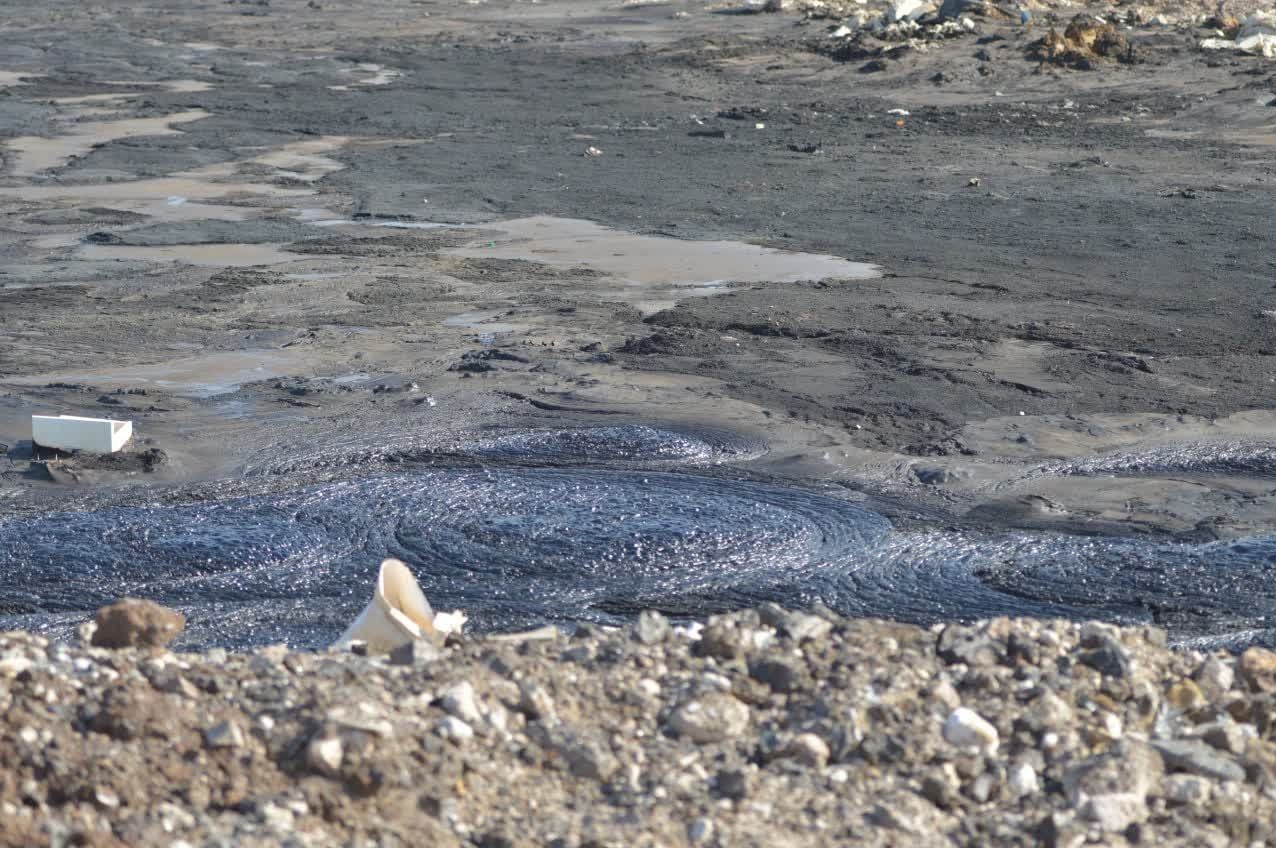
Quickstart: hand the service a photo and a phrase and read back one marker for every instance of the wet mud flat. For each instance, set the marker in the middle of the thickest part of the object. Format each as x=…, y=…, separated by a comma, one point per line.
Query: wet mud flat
x=511, y=291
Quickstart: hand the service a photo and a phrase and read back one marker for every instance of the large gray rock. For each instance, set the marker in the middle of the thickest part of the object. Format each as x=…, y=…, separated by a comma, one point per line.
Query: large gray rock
x=1111, y=789
x=1198, y=758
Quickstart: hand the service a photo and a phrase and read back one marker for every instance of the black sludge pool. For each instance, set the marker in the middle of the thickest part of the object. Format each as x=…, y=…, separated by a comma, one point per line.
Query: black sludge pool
x=517, y=547
x=510, y=547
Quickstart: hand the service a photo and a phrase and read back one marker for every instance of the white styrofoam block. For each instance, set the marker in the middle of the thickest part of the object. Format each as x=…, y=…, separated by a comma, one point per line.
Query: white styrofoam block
x=72, y=432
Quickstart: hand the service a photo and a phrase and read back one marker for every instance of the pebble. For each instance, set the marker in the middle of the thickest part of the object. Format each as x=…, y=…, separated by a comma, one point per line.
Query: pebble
x=700, y=831
x=1023, y=780
x=417, y=652
x=534, y=702
x=712, y=718
x=781, y=674
x=1107, y=657
x=1225, y=735
x=1187, y=789
x=1111, y=789
x=802, y=627
x=1198, y=758
x=1185, y=696
x=106, y=798
x=455, y=730
x=224, y=734
x=967, y=729
x=459, y=700
x=809, y=750
x=1215, y=677
x=652, y=628
x=1258, y=669
x=324, y=754
x=590, y=759
x=14, y=664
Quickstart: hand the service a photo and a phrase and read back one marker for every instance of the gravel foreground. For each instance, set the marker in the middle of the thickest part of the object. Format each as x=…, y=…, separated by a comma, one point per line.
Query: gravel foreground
x=764, y=727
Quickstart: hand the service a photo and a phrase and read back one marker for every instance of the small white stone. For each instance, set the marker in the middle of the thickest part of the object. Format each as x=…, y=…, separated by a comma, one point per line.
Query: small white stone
x=452, y=728
x=965, y=728
x=809, y=749
x=13, y=665
x=324, y=754
x=700, y=831
x=649, y=687
x=1023, y=780
x=718, y=682
x=1112, y=726
x=276, y=817
x=459, y=701
x=1187, y=789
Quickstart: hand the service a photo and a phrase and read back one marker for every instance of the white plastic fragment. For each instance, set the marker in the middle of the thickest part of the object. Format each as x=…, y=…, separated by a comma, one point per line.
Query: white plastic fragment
x=399, y=614
x=73, y=432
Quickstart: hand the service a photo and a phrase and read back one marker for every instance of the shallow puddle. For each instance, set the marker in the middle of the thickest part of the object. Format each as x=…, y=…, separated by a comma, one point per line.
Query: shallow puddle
x=379, y=76
x=179, y=86
x=209, y=255
x=480, y=321
x=12, y=78
x=159, y=188
x=195, y=377
x=652, y=272
x=36, y=153
x=303, y=160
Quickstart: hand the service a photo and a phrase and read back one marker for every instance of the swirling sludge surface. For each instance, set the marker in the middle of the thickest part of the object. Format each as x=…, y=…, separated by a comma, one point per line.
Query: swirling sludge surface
x=1247, y=458
x=519, y=546
x=510, y=547
x=620, y=445
x=637, y=443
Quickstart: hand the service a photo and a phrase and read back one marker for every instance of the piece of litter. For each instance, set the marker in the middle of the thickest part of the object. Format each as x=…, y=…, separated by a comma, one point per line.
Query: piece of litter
x=898, y=112
x=73, y=432
x=593, y=151
x=759, y=126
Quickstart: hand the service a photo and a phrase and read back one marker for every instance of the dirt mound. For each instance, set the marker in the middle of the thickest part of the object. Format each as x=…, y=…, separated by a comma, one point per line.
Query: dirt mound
x=764, y=728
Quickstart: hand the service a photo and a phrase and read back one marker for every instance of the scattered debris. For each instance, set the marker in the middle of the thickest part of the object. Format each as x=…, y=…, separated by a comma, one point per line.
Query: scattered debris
x=593, y=151
x=1255, y=35
x=1084, y=45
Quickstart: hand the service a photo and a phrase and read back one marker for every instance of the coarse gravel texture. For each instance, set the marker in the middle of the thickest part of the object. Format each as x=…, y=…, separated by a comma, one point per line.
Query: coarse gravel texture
x=764, y=727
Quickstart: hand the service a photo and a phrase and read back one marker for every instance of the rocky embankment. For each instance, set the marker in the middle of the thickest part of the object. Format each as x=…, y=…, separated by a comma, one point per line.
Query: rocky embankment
x=765, y=727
